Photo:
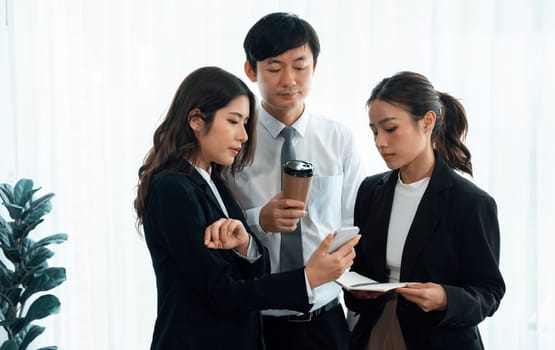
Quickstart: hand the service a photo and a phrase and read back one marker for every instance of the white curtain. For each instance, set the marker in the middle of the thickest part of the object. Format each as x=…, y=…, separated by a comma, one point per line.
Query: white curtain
x=83, y=84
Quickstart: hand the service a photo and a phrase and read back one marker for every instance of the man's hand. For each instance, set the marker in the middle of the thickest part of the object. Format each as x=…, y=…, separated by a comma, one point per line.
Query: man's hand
x=280, y=214
x=227, y=234
x=324, y=267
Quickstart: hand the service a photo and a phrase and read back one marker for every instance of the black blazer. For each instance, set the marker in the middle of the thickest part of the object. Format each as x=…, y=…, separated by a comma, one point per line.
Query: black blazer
x=453, y=241
x=207, y=299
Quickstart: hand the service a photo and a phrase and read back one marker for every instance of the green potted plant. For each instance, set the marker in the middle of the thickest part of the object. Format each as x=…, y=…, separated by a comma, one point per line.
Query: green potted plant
x=24, y=271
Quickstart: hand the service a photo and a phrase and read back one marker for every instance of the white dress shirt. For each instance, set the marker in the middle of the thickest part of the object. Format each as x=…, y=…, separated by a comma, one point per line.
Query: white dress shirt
x=405, y=203
x=330, y=147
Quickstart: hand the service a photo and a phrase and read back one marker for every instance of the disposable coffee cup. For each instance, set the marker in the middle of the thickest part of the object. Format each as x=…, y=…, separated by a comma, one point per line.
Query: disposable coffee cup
x=297, y=179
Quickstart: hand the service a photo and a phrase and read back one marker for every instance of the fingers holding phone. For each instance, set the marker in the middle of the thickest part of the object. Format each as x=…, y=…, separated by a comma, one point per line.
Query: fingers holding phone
x=342, y=236
x=334, y=255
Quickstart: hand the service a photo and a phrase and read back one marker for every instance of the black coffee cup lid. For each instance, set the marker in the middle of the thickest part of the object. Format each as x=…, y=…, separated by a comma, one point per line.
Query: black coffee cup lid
x=299, y=168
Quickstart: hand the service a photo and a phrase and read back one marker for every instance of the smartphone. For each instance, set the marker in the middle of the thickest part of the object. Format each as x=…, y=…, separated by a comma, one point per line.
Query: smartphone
x=342, y=235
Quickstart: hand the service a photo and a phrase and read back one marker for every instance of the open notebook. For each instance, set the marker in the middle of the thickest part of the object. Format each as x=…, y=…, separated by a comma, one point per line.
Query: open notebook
x=351, y=280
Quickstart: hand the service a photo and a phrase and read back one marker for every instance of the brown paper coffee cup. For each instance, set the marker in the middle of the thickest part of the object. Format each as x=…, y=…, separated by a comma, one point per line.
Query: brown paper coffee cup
x=297, y=179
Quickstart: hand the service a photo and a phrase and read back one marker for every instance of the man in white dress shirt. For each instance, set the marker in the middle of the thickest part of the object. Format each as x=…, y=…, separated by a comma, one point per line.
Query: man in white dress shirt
x=282, y=51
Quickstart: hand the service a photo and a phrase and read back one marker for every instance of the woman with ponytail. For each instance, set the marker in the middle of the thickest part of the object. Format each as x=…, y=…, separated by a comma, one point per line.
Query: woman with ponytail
x=422, y=222
x=212, y=274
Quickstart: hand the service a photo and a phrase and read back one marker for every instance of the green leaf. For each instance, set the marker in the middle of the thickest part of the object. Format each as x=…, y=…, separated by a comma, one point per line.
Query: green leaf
x=9, y=310
x=11, y=253
x=48, y=348
x=45, y=280
x=6, y=193
x=32, y=249
x=5, y=227
x=8, y=345
x=26, y=244
x=32, y=333
x=16, y=231
x=16, y=325
x=38, y=209
x=30, y=196
x=14, y=210
x=41, y=200
x=5, y=230
x=5, y=276
x=30, y=216
x=53, y=239
x=7, y=322
x=23, y=275
x=38, y=257
x=13, y=295
x=44, y=306
x=4, y=309
x=21, y=191
x=21, y=231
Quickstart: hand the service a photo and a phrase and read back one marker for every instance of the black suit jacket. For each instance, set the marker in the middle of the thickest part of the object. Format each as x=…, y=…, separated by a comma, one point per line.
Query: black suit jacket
x=453, y=241
x=207, y=299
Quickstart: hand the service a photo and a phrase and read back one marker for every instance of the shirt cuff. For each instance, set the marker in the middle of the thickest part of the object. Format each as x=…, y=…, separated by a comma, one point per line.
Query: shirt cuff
x=253, y=254
x=309, y=291
x=253, y=220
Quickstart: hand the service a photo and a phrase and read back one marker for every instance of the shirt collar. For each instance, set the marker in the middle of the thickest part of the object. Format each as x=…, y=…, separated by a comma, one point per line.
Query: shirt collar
x=205, y=174
x=274, y=126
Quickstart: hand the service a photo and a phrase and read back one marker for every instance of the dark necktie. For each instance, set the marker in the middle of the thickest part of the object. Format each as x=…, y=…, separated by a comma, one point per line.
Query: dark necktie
x=291, y=248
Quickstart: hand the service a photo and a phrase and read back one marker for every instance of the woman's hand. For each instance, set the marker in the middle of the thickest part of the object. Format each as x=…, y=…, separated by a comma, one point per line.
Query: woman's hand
x=428, y=296
x=324, y=267
x=227, y=234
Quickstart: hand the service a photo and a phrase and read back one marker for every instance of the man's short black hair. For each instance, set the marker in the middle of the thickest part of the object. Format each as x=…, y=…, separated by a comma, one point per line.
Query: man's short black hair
x=276, y=33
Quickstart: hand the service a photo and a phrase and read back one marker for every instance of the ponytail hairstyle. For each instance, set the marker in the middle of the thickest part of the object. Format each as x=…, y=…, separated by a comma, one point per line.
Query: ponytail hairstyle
x=202, y=93
x=415, y=94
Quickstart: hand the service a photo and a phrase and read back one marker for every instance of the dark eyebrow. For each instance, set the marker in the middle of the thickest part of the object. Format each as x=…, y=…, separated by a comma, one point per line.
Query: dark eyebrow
x=383, y=121
x=237, y=114
x=276, y=61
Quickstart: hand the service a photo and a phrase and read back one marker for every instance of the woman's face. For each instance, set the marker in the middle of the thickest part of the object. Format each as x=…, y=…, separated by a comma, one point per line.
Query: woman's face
x=400, y=140
x=223, y=141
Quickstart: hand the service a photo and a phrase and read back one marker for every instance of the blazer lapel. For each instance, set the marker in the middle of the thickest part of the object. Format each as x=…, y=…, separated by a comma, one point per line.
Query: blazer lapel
x=431, y=208
x=203, y=186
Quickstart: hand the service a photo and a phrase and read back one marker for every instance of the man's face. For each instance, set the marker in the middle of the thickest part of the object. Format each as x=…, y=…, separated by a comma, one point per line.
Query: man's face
x=284, y=81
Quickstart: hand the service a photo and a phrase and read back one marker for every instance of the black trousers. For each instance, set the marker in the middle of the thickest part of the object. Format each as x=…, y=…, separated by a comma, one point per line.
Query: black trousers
x=328, y=331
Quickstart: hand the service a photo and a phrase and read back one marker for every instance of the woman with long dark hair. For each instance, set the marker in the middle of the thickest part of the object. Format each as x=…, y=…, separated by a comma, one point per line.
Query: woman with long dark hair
x=423, y=222
x=211, y=273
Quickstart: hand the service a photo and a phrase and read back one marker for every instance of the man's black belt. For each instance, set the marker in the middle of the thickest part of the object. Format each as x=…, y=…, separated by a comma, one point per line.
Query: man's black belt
x=309, y=316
